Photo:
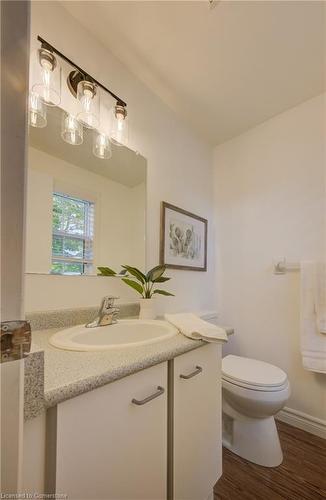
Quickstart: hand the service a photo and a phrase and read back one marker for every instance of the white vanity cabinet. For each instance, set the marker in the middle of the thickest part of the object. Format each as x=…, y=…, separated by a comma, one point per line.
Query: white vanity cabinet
x=197, y=441
x=111, y=448
x=153, y=435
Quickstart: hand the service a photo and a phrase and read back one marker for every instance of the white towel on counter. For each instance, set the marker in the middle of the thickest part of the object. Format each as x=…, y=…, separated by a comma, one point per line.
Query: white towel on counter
x=195, y=328
x=313, y=339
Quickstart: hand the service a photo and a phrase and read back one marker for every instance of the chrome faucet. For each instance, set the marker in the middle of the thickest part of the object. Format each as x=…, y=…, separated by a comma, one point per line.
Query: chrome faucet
x=107, y=314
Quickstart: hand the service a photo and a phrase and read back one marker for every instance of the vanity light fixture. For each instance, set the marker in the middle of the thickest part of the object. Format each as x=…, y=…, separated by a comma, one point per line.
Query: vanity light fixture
x=49, y=85
x=36, y=111
x=86, y=90
x=119, y=130
x=102, y=145
x=71, y=130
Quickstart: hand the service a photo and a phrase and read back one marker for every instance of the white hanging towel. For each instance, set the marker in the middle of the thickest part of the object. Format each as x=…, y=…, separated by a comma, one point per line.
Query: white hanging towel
x=195, y=328
x=313, y=316
x=320, y=296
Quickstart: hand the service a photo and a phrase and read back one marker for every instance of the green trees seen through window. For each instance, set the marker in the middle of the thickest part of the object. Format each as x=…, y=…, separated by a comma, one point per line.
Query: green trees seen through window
x=72, y=240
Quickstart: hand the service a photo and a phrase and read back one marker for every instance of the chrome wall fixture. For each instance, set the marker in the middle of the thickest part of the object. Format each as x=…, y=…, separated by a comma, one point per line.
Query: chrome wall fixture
x=86, y=90
x=282, y=266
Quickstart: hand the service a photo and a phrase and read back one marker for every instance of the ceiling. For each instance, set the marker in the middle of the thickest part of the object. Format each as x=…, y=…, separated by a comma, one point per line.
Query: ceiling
x=125, y=166
x=222, y=70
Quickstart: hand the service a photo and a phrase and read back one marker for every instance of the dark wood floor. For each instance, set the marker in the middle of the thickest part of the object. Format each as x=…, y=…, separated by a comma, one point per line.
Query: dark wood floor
x=301, y=476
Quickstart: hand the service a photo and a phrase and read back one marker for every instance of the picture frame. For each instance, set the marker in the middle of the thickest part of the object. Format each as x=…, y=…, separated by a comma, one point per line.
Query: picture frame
x=183, y=242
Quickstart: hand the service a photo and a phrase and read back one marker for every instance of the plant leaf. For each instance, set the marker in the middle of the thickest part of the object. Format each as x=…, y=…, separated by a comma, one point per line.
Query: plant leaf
x=164, y=292
x=106, y=271
x=134, y=285
x=123, y=272
x=162, y=279
x=155, y=273
x=135, y=272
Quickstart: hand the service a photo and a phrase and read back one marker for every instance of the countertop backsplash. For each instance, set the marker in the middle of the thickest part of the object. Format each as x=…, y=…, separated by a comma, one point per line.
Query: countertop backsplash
x=62, y=318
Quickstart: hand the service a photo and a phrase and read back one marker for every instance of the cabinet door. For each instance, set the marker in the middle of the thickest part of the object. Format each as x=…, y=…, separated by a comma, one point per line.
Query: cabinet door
x=111, y=448
x=197, y=446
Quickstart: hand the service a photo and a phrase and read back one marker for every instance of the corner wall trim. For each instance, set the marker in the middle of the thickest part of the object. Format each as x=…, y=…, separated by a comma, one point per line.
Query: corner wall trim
x=303, y=421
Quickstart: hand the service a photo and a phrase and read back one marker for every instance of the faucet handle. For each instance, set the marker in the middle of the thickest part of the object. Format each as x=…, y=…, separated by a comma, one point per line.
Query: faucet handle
x=108, y=301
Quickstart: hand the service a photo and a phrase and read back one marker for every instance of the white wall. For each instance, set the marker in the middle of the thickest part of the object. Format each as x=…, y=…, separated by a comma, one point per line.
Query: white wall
x=137, y=224
x=38, y=244
x=179, y=166
x=270, y=203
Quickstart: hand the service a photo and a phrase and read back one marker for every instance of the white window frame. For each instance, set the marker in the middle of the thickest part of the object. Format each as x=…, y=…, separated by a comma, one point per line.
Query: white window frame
x=87, y=260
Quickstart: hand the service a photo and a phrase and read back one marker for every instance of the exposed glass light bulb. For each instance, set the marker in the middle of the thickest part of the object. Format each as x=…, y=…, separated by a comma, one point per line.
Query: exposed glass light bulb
x=46, y=77
x=71, y=130
x=102, y=146
x=36, y=111
x=86, y=100
x=119, y=131
x=49, y=86
x=88, y=96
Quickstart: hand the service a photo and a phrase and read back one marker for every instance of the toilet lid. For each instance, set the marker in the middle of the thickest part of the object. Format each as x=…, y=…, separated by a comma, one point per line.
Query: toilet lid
x=252, y=372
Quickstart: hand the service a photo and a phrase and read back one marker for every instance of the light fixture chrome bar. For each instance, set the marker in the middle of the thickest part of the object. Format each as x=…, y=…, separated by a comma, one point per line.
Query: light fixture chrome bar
x=48, y=46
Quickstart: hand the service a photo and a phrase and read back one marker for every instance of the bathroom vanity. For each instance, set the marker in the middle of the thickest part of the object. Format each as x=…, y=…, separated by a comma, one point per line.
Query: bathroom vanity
x=153, y=432
x=117, y=442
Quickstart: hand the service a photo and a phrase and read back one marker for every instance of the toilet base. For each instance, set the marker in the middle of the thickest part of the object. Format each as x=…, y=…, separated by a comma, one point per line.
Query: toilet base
x=255, y=439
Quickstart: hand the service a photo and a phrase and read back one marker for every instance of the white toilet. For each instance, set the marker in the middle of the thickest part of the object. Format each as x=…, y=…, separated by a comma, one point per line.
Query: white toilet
x=253, y=391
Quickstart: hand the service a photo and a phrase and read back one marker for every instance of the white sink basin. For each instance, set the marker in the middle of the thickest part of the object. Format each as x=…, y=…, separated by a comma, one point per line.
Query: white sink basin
x=125, y=333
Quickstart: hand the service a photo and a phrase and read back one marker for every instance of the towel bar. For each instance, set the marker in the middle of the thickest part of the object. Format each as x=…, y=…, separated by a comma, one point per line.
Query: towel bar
x=283, y=267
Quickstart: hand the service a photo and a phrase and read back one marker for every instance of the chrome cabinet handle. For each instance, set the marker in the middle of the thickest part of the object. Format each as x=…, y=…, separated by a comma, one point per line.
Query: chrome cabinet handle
x=140, y=402
x=192, y=374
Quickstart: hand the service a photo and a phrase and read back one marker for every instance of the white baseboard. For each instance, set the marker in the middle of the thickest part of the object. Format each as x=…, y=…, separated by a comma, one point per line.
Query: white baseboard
x=303, y=421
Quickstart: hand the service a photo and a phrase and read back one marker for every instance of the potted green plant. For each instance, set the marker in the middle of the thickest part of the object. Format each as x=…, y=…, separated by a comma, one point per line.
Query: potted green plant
x=144, y=284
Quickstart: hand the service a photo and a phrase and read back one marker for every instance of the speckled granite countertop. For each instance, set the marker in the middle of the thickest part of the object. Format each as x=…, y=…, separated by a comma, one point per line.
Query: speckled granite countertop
x=70, y=373
x=54, y=375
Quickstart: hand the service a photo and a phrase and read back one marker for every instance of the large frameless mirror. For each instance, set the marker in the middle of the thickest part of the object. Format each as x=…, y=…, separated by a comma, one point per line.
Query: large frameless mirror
x=85, y=201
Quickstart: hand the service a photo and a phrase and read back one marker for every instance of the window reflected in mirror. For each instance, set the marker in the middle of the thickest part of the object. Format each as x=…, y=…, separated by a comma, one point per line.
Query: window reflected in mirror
x=72, y=235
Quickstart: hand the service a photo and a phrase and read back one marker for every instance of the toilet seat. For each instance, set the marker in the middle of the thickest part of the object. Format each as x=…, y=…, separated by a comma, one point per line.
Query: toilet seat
x=253, y=374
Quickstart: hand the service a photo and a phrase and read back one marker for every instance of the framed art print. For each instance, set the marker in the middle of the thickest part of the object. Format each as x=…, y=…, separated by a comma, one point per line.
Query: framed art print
x=183, y=239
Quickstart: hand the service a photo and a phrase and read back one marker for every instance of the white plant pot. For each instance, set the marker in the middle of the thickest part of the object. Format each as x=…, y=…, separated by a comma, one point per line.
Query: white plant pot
x=147, y=309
